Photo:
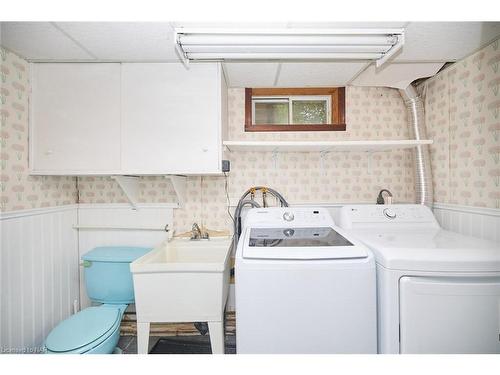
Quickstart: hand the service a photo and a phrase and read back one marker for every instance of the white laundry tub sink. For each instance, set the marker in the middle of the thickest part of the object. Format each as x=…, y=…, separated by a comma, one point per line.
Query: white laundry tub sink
x=183, y=281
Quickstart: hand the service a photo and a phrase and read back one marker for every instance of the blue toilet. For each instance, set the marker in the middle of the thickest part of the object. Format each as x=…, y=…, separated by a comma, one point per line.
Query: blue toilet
x=96, y=330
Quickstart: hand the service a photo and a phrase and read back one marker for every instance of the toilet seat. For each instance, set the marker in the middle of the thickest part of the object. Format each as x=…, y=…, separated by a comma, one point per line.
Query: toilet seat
x=85, y=330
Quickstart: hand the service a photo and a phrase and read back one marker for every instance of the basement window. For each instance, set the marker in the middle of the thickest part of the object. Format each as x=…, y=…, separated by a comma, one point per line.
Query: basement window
x=295, y=109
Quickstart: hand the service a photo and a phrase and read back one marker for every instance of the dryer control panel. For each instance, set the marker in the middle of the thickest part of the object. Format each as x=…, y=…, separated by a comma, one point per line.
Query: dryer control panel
x=353, y=216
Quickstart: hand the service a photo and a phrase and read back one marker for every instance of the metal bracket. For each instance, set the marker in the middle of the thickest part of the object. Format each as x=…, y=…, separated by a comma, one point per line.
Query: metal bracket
x=395, y=48
x=130, y=186
x=178, y=49
x=180, y=187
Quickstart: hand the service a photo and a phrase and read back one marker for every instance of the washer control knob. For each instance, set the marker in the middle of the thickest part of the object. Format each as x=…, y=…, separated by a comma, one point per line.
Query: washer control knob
x=389, y=213
x=288, y=216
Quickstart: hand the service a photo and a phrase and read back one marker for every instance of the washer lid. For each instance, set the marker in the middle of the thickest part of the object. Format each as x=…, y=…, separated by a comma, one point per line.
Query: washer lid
x=300, y=243
x=82, y=329
x=431, y=250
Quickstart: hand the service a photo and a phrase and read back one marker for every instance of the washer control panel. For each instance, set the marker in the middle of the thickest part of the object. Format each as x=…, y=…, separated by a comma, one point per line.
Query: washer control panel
x=289, y=216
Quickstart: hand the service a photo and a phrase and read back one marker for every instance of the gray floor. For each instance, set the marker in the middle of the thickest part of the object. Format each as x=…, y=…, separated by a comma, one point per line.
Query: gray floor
x=128, y=344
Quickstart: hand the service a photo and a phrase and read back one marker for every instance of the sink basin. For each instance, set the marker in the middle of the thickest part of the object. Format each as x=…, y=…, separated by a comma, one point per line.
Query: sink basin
x=185, y=255
x=183, y=281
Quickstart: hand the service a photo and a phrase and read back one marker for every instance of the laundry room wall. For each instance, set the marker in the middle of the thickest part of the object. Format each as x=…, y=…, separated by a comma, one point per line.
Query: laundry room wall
x=39, y=253
x=462, y=106
x=18, y=189
x=338, y=177
x=463, y=118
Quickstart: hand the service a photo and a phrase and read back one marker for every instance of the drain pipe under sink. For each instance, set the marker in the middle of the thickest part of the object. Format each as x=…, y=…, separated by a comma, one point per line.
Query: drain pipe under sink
x=422, y=163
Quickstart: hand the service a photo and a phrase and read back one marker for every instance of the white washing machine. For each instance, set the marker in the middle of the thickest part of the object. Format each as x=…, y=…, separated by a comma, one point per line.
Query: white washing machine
x=303, y=285
x=438, y=291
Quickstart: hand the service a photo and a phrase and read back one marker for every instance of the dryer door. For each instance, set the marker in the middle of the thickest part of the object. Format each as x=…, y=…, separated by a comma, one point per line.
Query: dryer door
x=449, y=315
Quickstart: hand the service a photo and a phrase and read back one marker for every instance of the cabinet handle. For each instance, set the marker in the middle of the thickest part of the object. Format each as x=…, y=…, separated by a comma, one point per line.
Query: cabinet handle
x=49, y=152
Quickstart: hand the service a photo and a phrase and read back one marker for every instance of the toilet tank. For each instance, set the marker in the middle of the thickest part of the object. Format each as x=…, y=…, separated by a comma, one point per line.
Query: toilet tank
x=107, y=273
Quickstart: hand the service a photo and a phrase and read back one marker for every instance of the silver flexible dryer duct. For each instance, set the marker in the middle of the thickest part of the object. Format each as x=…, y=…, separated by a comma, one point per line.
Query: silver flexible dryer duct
x=416, y=124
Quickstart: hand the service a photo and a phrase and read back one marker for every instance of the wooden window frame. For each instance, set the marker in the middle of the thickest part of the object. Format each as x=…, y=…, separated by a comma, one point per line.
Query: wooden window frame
x=337, y=106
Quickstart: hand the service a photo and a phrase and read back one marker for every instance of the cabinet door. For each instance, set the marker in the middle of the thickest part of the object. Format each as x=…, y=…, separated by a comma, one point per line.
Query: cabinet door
x=75, y=118
x=450, y=315
x=171, y=118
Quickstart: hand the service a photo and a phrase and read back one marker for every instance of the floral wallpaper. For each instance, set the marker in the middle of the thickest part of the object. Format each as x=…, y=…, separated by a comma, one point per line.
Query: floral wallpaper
x=372, y=113
x=18, y=190
x=463, y=118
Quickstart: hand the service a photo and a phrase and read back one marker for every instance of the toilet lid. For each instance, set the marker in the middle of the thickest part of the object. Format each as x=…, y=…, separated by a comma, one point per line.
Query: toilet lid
x=82, y=328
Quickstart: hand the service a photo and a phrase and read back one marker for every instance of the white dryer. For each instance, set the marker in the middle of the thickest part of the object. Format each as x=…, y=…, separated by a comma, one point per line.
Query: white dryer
x=438, y=291
x=303, y=285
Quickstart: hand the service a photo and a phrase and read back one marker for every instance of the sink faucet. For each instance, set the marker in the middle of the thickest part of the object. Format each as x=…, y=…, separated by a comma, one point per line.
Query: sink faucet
x=380, y=198
x=196, y=233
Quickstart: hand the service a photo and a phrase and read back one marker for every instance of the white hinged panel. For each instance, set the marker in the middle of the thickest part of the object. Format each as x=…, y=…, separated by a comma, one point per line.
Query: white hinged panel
x=75, y=118
x=171, y=118
x=450, y=315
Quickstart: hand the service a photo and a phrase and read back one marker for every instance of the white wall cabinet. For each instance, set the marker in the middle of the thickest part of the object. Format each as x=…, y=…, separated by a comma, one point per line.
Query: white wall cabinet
x=75, y=118
x=171, y=118
x=130, y=118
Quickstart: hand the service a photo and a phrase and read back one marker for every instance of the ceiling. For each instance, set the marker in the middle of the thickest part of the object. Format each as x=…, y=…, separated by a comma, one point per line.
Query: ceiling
x=425, y=42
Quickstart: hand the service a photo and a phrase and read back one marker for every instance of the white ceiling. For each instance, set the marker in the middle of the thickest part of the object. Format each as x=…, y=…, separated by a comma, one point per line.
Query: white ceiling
x=123, y=40
x=318, y=73
x=260, y=75
x=153, y=41
x=445, y=41
x=397, y=75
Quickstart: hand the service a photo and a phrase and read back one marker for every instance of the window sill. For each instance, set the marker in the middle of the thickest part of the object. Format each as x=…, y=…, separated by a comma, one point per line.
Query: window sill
x=295, y=128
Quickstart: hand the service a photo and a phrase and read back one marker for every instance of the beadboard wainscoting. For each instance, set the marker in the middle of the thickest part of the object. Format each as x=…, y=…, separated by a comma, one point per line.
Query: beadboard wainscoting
x=470, y=221
x=39, y=283
x=120, y=225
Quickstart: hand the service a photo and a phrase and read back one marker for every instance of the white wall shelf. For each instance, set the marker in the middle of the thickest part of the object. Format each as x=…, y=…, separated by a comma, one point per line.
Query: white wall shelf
x=324, y=146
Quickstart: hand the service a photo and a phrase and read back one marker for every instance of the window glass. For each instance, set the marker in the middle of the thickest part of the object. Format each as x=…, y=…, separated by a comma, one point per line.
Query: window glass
x=271, y=112
x=295, y=109
x=310, y=111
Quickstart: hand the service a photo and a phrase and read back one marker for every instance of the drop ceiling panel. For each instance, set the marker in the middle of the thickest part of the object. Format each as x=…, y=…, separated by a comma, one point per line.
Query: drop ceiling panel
x=230, y=25
x=396, y=75
x=40, y=41
x=347, y=25
x=445, y=41
x=251, y=74
x=318, y=74
x=144, y=41
x=124, y=41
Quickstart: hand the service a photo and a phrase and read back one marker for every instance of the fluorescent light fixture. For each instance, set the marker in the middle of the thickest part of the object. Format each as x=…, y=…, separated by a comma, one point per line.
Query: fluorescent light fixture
x=195, y=44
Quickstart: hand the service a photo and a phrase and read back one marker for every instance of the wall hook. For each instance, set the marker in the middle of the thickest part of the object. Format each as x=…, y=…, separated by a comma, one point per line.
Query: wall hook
x=322, y=157
x=274, y=158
